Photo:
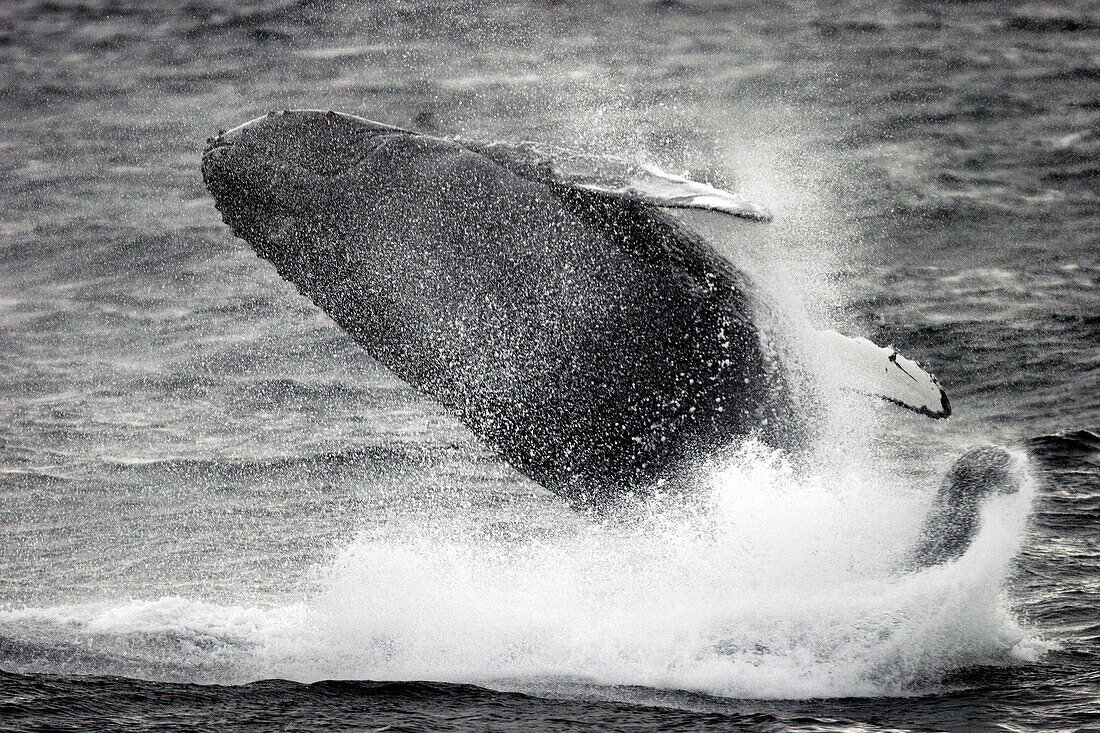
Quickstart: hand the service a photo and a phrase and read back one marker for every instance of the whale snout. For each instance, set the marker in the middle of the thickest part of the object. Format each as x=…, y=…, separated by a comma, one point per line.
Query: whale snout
x=294, y=143
x=269, y=175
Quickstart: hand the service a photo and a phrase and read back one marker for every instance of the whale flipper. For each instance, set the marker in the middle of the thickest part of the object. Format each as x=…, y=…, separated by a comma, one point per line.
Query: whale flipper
x=867, y=368
x=615, y=177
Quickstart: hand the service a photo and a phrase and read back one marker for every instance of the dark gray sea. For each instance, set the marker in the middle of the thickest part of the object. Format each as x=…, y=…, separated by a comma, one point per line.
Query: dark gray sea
x=217, y=512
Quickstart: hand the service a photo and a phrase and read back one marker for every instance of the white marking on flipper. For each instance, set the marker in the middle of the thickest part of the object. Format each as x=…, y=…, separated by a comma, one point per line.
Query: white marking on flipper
x=864, y=367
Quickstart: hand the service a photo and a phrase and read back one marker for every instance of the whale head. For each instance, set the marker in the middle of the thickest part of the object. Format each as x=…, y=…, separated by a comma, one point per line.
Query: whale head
x=271, y=177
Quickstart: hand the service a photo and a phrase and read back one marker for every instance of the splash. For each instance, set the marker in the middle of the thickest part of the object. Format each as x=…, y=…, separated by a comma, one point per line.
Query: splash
x=780, y=579
x=772, y=583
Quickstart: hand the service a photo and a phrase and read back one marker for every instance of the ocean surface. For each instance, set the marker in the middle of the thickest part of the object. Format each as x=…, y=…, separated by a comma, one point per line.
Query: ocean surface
x=217, y=512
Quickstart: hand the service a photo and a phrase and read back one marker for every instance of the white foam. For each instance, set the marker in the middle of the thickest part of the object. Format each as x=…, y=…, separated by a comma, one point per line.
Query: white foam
x=774, y=584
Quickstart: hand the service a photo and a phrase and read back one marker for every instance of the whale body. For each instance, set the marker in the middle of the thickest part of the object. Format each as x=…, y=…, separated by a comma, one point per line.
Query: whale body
x=545, y=297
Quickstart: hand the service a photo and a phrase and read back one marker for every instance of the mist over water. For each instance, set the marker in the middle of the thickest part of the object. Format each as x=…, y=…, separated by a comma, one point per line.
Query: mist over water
x=773, y=585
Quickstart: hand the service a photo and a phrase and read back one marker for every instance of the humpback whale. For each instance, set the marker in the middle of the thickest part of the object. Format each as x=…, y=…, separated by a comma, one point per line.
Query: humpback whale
x=550, y=299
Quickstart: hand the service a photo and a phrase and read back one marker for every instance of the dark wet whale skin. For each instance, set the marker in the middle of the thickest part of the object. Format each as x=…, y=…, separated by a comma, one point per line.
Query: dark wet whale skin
x=594, y=342
x=955, y=518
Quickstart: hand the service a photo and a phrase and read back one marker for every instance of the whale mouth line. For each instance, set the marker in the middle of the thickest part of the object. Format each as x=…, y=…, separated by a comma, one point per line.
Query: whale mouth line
x=943, y=413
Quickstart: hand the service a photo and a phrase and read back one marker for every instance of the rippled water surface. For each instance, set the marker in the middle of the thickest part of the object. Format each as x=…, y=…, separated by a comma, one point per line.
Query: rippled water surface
x=204, y=484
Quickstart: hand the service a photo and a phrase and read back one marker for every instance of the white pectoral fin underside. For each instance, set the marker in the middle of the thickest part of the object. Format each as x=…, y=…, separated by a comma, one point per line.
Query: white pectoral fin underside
x=615, y=177
x=651, y=184
x=862, y=366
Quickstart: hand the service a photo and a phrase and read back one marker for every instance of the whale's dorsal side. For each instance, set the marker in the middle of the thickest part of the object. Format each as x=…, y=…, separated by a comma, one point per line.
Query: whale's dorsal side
x=612, y=176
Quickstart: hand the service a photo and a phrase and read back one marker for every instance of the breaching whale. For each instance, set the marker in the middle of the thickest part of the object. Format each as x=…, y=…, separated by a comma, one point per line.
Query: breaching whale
x=548, y=298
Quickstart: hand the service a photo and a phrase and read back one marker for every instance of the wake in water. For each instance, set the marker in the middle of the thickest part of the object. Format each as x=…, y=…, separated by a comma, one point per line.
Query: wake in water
x=769, y=584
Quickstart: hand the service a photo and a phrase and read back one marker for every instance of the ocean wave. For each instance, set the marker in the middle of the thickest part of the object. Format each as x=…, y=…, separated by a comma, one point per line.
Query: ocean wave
x=1051, y=21
x=371, y=457
x=1067, y=447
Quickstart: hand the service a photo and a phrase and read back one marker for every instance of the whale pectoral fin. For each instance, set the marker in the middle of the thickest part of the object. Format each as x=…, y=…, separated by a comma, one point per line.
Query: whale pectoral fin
x=615, y=177
x=864, y=367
